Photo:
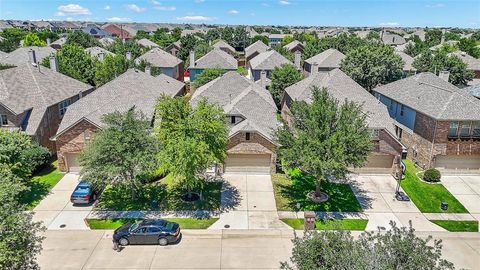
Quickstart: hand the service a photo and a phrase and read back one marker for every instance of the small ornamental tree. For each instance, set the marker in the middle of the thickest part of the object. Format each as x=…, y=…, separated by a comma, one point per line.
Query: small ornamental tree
x=283, y=77
x=324, y=138
x=32, y=39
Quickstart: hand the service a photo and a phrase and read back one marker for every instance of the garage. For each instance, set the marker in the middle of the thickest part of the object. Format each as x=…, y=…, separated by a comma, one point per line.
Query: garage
x=73, y=164
x=251, y=163
x=380, y=161
x=454, y=162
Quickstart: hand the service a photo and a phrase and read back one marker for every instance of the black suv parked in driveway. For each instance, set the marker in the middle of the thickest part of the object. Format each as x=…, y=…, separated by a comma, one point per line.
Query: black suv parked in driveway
x=144, y=232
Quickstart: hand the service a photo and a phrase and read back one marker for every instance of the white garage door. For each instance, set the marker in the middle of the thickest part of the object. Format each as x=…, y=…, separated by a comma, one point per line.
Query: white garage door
x=248, y=163
x=73, y=163
x=458, y=162
x=379, y=161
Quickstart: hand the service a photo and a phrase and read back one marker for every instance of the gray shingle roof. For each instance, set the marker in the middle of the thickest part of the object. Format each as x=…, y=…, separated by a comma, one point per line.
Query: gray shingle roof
x=330, y=58
x=268, y=60
x=106, y=41
x=474, y=90
x=432, y=96
x=147, y=43
x=95, y=51
x=257, y=46
x=241, y=96
x=472, y=62
x=221, y=44
x=159, y=58
x=132, y=88
x=61, y=41
x=407, y=59
x=392, y=39
x=341, y=87
x=20, y=55
x=216, y=58
x=28, y=87
x=290, y=46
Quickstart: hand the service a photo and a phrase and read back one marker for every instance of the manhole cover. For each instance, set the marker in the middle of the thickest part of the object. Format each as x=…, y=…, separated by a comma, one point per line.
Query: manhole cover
x=63, y=226
x=226, y=226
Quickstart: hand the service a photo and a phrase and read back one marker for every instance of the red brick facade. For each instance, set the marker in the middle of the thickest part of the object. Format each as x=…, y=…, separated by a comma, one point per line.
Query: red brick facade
x=257, y=144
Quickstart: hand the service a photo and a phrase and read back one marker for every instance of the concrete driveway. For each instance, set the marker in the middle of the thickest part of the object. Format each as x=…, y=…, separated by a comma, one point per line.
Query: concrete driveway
x=57, y=212
x=466, y=188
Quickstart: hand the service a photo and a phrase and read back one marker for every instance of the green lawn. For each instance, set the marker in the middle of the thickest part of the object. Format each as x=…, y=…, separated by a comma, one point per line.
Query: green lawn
x=428, y=197
x=185, y=223
x=166, y=192
x=289, y=192
x=458, y=225
x=322, y=224
x=41, y=184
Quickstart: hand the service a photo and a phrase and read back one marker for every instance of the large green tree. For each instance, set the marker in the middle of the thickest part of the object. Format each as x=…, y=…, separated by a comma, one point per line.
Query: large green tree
x=32, y=39
x=324, y=137
x=120, y=47
x=191, y=138
x=433, y=37
x=122, y=153
x=283, y=77
x=82, y=39
x=187, y=44
x=207, y=75
x=12, y=38
x=110, y=68
x=371, y=65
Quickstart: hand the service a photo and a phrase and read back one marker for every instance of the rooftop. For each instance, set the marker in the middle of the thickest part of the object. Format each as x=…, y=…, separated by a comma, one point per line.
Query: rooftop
x=330, y=58
x=159, y=58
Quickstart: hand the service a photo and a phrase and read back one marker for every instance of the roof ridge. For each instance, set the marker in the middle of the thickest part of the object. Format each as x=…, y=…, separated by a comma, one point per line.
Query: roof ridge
x=36, y=83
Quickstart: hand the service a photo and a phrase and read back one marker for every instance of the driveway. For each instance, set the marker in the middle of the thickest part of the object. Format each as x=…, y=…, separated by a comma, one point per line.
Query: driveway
x=57, y=212
x=466, y=188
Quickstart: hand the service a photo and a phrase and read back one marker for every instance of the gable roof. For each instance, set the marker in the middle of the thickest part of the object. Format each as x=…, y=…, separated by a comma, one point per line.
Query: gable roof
x=221, y=44
x=61, y=41
x=29, y=87
x=132, y=88
x=341, y=87
x=20, y=55
x=216, y=58
x=147, y=43
x=106, y=41
x=257, y=46
x=407, y=59
x=175, y=44
x=472, y=62
x=329, y=58
x=159, y=58
x=268, y=60
x=95, y=51
x=290, y=46
x=432, y=96
x=392, y=39
x=95, y=31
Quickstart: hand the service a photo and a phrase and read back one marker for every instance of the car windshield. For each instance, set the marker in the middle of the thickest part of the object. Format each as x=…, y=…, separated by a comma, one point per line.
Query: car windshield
x=134, y=226
x=82, y=189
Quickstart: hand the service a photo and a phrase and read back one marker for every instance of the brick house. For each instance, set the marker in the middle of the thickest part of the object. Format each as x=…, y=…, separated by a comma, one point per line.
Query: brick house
x=438, y=122
x=173, y=48
x=341, y=87
x=118, y=31
x=34, y=99
x=82, y=120
x=163, y=62
x=214, y=59
x=327, y=60
x=251, y=114
x=255, y=49
x=266, y=61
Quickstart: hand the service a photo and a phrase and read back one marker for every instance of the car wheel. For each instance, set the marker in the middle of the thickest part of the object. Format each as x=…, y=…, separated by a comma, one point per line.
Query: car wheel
x=123, y=242
x=162, y=241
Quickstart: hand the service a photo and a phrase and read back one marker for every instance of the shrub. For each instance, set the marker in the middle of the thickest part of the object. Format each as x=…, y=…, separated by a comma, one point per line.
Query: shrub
x=431, y=175
x=38, y=156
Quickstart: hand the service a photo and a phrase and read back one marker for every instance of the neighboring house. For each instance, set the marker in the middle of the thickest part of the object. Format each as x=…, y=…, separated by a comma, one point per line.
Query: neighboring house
x=118, y=31
x=106, y=41
x=251, y=114
x=438, y=122
x=95, y=31
x=392, y=39
x=24, y=55
x=58, y=44
x=164, y=62
x=224, y=46
x=408, y=63
x=403, y=47
x=362, y=33
x=276, y=39
x=419, y=33
x=473, y=90
x=173, y=48
x=131, y=89
x=42, y=25
x=266, y=61
x=146, y=43
x=255, y=49
x=341, y=87
x=34, y=99
x=98, y=52
x=327, y=60
x=473, y=63
x=251, y=32
x=295, y=46
x=215, y=59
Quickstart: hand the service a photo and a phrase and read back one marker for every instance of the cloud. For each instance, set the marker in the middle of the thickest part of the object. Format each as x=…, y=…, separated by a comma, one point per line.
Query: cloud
x=135, y=8
x=107, y=7
x=196, y=18
x=438, y=5
x=118, y=19
x=389, y=24
x=72, y=9
x=233, y=11
x=265, y=5
x=155, y=2
x=199, y=1
x=284, y=2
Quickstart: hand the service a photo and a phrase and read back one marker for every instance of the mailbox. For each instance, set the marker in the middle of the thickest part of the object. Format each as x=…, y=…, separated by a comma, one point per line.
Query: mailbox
x=309, y=220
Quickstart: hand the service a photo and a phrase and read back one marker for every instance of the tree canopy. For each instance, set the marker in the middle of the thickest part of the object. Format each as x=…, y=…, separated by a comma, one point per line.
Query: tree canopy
x=32, y=39
x=283, y=77
x=82, y=39
x=207, y=75
x=111, y=67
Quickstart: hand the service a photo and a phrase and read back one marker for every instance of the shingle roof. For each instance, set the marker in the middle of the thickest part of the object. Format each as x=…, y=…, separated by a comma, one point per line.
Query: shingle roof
x=257, y=46
x=330, y=58
x=290, y=46
x=472, y=62
x=216, y=58
x=106, y=41
x=392, y=39
x=474, y=90
x=147, y=43
x=268, y=60
x=432, y=96
x=221, y=44
x=20, y=55
x=407, y=59
x=95, y=51
x=439, y=46
x=159, y=58
x=61, y=41
x=341, y=87
x=241, y=96
x=132, y=88
x=35, y=87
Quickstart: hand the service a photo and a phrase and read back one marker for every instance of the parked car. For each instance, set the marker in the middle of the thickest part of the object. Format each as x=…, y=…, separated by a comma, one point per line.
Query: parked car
x=151, y=231
x=83, y=194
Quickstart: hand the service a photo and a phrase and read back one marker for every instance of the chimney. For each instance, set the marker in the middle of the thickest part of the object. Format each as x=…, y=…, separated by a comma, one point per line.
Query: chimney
x=49, y=41
x=129, y=56
x=53, y=63
x=31, y=57
x=101, y=56
x=314, y=69
x=444, y=75
x=192, y=58
x=263, y=79
x=298, y=57
x=148, y=70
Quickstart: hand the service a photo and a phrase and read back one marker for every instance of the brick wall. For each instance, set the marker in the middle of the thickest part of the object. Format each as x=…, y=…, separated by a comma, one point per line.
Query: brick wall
x=13, y=120
x=255, y=138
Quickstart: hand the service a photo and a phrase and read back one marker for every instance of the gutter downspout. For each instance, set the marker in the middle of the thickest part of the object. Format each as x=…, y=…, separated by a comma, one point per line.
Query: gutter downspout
x=433, y=143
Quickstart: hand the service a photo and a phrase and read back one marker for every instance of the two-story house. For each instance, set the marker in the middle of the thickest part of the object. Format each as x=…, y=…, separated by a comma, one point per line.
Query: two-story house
x=163, y=63
x=224, y=46
x=266, y=61
x=255, y=49
x=215, y=59
x=438, y=122
x=325, y=61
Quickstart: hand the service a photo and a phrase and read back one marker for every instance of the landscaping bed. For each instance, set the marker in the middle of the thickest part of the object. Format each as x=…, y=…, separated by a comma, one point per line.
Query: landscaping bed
x=185, y=223
x=458, y=225
x=428, y=197
x=329, y=224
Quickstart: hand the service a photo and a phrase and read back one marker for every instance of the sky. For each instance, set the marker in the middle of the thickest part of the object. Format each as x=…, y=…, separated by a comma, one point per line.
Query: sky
x=396, y=13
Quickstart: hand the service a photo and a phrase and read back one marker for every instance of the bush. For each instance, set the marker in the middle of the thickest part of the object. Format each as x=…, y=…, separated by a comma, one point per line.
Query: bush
x=38, y=156
x=431, y=175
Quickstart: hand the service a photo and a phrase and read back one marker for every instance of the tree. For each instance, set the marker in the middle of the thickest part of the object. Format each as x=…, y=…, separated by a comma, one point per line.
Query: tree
x=374, y=35
x=191, y=138
x=110, y=68
x=177, y=33
x=469, y=46
x=82, y=39
x=207, y=75
x=162, y=37
x=31, y=39
x=285, y=52
x=324, y=137
x=122, y=153
x=433, y=37
x=264, y=39
x=398, y=248
x=373, y=65
x=240, y=38
x=212, y=35
x=187, y=43
x=227, y=34
x=120, y=47
x=12, y=38
x=283, y=77
x=43, y=35
x=142, y=34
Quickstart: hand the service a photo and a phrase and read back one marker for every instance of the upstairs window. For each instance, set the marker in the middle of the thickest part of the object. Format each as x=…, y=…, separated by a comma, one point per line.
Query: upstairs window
x=62, y=106
x=476, y=129
x=232, y=119
x=247, y=136
x=3, y=120
x=453, y=130
x=402, y=110
x=375, y=134
x=465, y=129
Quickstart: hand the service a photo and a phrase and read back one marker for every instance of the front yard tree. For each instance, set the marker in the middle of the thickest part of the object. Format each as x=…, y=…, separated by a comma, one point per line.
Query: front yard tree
x=32, y=39
x=324, y=138
x=191, y=138
x=283, y=77
x=122, y=153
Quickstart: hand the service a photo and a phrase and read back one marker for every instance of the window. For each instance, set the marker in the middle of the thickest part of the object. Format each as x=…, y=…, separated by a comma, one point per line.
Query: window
x=453, y=130
x=476, y=129
x=3, y=120
x=465, y=129
x=232, y=119
x=63, y=106
x=87, y=135
x=402, y=110
x=247, y=136
x=153, y=230
x=375, y=134
x=398, y=132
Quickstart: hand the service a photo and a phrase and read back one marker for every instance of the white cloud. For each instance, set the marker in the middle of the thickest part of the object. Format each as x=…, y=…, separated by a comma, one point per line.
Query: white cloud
x=135, y=8
x=72, y=9
x=155, y=2
x=196, y=18
x=199, y=1
x=165, y=8
x=438, y=5
x=118, y=19
x=107, y=7
x=389, y=24
x=233, y=11
x=265, y=5
x=284, y=2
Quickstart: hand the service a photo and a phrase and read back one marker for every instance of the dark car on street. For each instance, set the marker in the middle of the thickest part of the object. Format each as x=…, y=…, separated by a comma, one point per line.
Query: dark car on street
x=83, y=194
x=146, y=232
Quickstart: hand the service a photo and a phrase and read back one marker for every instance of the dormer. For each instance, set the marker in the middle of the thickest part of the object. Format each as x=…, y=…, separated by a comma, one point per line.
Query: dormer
x=234, y=119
